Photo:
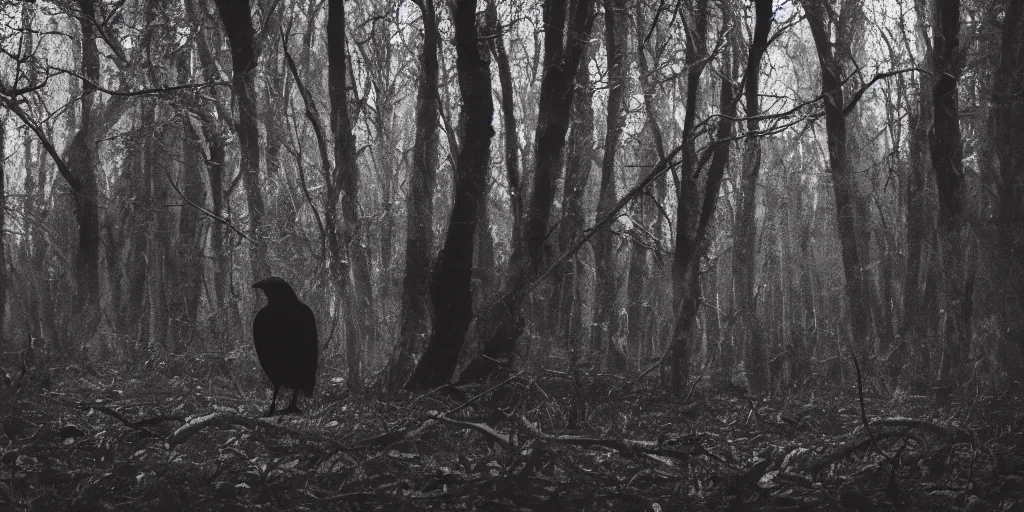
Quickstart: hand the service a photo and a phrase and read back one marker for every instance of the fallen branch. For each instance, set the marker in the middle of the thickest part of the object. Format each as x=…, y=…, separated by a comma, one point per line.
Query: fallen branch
x=485, y=429
x=678, y=450
x=895, y=428
x=196, y=425
x=139, y=424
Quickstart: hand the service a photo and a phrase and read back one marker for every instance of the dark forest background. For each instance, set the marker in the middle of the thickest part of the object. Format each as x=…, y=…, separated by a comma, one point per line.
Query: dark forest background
x=767, y=198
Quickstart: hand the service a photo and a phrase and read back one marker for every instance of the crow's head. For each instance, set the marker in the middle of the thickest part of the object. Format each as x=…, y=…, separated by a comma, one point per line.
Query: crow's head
x=276, y=288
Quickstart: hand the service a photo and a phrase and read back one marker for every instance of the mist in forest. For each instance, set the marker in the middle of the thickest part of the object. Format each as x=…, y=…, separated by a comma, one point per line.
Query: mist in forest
x=559, y=254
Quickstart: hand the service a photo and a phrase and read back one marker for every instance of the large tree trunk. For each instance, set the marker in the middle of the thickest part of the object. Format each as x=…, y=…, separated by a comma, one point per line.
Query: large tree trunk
x=186, y=270
x=684, y=276
x=214, y=132
x=947, y=160
x=694, y=221
x=749, y=332
x=920, y=218
x=244, y=60
x=451, y=280
x=1007, y=123
x=850, y=207
x=3, y=248
x=568, y=279
x=605, y=323
x=419, y=246
x=511, y=127
x=81, y=158
x=32, y=188
x=160, y=238
x=501, y=324
x=132, y=265
x=348, y=256
x=185, y=266
x=920, y=227
x=642, y=318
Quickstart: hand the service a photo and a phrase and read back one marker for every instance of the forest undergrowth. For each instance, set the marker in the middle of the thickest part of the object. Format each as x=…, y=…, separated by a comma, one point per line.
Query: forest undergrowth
x=187, y=434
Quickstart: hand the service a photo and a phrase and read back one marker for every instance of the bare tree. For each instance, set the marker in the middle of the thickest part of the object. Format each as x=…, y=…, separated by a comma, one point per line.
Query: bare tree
x=746, y=224
x=451, y=279
x=502, y=322
x=851, y=206
x=348, y=257
x=415, y=330
x=236, y=17
x=605, y=317
x=947, y=160
x=685, y=291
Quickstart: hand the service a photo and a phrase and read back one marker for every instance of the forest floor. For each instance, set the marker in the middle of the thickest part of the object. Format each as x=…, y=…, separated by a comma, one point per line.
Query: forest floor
x=188, y=435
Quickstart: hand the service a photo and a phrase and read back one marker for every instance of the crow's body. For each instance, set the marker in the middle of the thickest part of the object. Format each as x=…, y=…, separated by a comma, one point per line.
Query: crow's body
x=286, y=341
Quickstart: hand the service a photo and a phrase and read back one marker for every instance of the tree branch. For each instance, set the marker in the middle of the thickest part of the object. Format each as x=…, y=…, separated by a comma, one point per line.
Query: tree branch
x=142, y=92
x=62, y=166
x=206, y=212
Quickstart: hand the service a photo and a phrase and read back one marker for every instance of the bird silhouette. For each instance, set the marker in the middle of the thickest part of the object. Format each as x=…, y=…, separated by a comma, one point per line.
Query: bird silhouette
x=284, y=332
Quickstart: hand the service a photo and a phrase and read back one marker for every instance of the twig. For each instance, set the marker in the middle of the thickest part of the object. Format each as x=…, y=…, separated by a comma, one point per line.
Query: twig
x=141, y=92
x=630, y=446
x=483, y=428
x=206, y=212
x=482, y=393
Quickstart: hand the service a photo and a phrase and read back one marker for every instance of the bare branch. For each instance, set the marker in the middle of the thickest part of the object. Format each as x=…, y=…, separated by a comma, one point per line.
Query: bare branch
x=206, y=212
x=142, y=92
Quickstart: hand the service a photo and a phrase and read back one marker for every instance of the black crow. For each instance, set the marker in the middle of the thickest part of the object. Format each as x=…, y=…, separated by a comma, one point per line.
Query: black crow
x=286, y=341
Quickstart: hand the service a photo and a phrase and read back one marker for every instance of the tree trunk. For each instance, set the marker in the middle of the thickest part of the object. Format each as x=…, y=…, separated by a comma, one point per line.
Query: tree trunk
x=579, y=163
x=132, y=317
x=160, y=237
x=419, y=247
x=605, y=322
x=31, y=190
x=850, y=206
x=3, y=236
x=920, y=219
x=502, y=322
x=244, y=60
x=186, y=272
x=82, y=162
x=643, y=319
x=484, y=272
x=947, y=160
x=451, y=279
x=347, y=253
x=694, y=221
x=684, y=271
x=745, y=253
x=511, y=128
x=215, y=135
x=1007, y=123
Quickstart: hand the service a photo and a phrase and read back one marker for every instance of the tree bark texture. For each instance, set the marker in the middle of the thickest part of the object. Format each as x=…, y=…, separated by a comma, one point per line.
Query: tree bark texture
x=569, y=291
x=849, y=203
x=81, y=158
x=3, y=249
x=451, y=279
x=605, y=323
x=947, y=161
x=347, y=253
x=1008, y=127
x=685, y=289
x=921, y=212
x=419, y=246
x=746, y=223
x=236, y=17
x=565, y=37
